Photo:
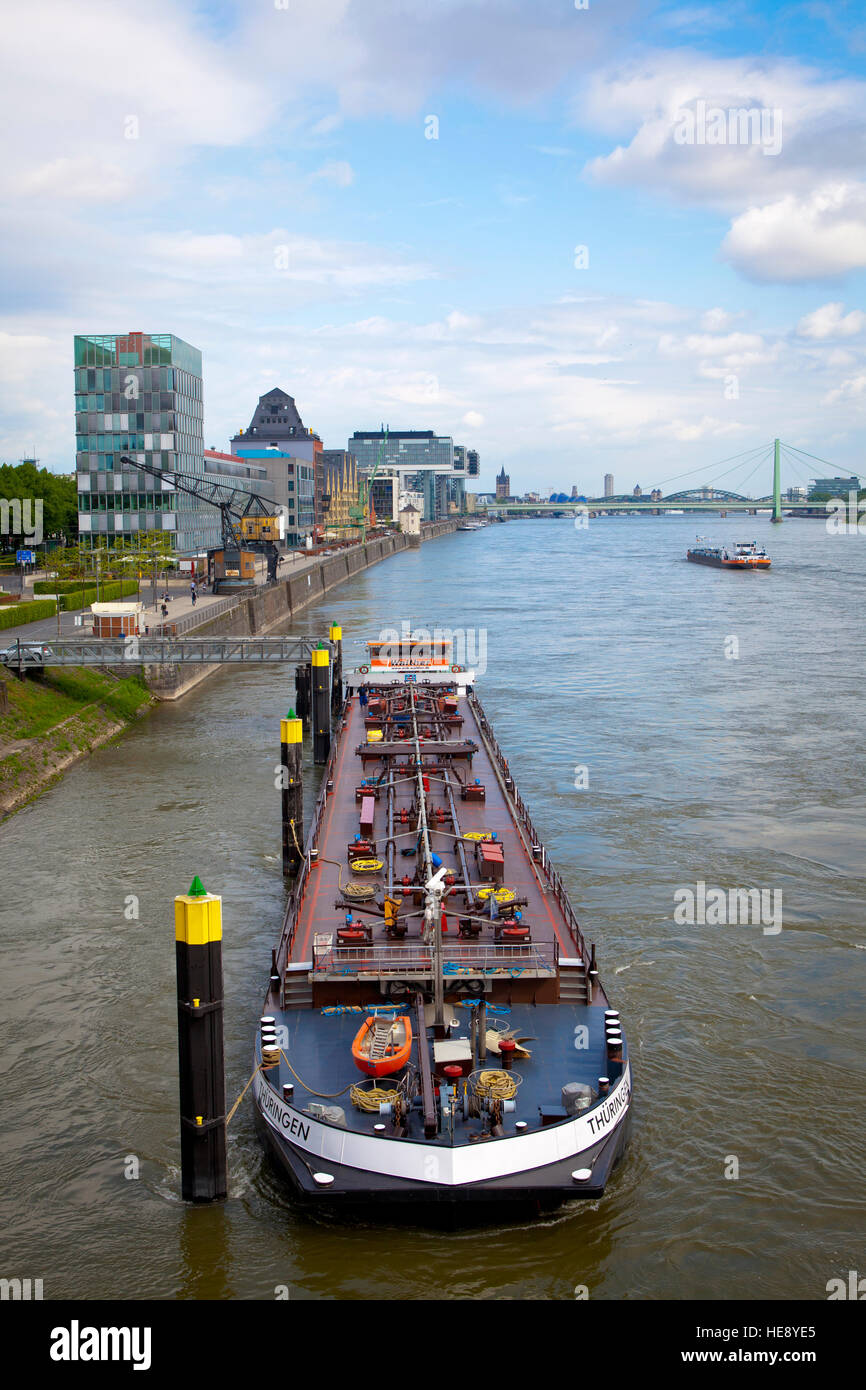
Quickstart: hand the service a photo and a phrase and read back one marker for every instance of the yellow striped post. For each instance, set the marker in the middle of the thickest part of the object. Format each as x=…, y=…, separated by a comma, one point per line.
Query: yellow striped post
x=198, y=953
x=336, y=636
x=320, y=660
x=292, y=791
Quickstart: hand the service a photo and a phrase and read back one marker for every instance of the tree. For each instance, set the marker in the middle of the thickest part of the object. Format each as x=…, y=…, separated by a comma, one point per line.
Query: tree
x=57, y=493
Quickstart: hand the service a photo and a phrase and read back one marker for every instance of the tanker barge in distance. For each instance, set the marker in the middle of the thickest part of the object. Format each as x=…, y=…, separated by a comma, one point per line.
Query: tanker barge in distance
x=435, y=1031
x=742, y=555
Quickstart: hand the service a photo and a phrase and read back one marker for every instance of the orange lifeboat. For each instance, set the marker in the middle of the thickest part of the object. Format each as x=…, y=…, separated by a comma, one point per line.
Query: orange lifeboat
x=382, y=1045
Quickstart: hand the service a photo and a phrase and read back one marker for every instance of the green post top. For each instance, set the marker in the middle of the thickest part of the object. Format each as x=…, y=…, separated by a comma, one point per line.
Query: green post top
x=197, y=889
x=291, y=714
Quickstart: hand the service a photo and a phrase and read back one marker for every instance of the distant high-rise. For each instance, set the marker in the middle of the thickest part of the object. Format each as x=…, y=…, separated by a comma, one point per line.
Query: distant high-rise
x=415, y=463
x=503, y=484
x=834, y=487
x=608, y=485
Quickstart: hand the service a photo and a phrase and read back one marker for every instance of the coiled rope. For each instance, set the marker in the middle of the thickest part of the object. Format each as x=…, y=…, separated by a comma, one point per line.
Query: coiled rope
x=360, y=892
x=495, y=1085
x=374, y=1097
x=365, y=1100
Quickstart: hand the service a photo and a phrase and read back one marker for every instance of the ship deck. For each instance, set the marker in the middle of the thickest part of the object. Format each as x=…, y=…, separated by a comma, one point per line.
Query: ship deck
x=433, y=777
x=319, y=918
x=318, y=1046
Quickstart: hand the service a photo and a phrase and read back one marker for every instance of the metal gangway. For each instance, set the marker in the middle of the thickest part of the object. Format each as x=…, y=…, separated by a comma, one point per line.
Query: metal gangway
x=135, y=650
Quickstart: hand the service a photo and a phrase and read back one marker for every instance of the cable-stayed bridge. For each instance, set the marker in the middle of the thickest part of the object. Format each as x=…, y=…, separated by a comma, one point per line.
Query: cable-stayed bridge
x=705, y=497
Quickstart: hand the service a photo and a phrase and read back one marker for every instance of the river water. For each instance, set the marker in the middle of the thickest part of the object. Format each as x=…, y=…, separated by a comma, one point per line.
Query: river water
x=668, y=725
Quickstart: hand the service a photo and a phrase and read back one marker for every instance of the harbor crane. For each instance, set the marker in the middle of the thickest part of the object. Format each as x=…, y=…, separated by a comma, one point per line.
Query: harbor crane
x=249, y=525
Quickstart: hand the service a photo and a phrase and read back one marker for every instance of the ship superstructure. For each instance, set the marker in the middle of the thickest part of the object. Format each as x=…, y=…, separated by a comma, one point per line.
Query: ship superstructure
x=736, y=555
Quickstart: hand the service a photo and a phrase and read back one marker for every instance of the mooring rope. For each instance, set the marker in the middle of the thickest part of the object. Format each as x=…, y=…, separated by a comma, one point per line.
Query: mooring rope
x=241, y=1096
x=323, y=1095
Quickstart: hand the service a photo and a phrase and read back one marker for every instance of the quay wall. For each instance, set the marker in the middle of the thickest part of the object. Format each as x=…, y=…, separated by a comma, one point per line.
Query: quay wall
x=258, y=613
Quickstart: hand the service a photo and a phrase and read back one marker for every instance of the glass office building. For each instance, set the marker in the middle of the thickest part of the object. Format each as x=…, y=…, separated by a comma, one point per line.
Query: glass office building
x=140, y=394
x=404, y=449
x=424, y=463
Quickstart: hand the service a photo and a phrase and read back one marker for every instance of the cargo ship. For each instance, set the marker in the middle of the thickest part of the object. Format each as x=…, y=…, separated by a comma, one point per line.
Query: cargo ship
x=435, y=1031
x=741, y=555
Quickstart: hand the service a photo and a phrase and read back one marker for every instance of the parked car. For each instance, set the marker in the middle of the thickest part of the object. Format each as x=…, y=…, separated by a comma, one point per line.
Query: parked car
x=29, y=655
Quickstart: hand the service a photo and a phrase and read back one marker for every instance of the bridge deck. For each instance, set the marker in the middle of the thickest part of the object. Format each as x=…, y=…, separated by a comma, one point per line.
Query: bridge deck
x=135, y=650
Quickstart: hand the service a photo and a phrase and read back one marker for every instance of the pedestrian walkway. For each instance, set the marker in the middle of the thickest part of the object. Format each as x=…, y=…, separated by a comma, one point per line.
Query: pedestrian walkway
x=180, y=604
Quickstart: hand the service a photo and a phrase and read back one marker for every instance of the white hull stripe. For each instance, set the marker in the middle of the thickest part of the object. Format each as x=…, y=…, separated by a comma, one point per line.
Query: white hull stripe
x=420, y=1162
x=394, y=675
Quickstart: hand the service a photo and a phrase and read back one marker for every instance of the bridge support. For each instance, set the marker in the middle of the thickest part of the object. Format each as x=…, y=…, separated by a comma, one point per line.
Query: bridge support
x=777, y=484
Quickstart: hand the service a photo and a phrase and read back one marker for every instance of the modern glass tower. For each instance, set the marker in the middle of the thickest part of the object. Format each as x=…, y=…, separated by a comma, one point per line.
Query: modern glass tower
x=139, y=394
x=424, y=463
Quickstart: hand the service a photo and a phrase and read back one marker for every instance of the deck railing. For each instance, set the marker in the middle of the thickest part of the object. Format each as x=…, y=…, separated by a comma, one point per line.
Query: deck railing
x=535, y=842
x=416, y=959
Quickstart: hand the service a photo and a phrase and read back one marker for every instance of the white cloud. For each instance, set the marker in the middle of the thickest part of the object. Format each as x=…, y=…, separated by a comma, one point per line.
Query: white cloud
x=854, y=389
x=822, y=235
x=716, y=319
x=385, y=57
x=133, y=87
x=699, y=17
x=788, y=175
x=93, y=179
x=277, y=258
x=336, y=171
x=831, y=322
x=717, y=354
x=823, y=126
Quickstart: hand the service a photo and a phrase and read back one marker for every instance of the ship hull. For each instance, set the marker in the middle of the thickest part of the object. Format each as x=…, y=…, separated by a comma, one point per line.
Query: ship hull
x=548, y=1184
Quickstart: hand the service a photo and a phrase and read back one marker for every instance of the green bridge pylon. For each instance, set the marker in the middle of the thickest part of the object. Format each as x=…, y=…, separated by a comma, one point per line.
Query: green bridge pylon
x=777, y=483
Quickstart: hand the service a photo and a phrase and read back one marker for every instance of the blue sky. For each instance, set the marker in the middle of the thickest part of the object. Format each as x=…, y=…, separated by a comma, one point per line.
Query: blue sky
x=257, y=179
